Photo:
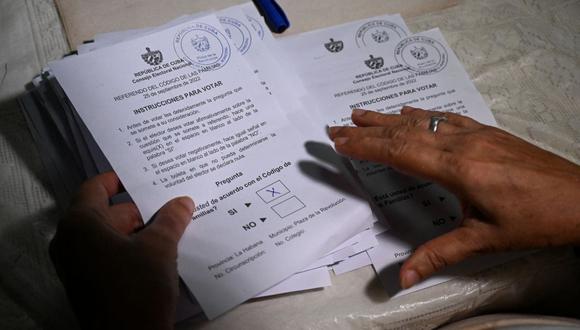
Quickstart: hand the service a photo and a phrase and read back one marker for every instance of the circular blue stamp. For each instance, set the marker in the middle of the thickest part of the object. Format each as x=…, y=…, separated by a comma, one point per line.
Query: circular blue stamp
x=257, y=26
x=378, y=32
x=203, y=46
x=238, y=32
x=421, y=54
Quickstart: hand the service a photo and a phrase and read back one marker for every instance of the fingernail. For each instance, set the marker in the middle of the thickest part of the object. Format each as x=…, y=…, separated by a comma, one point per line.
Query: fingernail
x=409, y=278
x=188, y=203
x=340, y=141
x=358, y=112
x=332, y=131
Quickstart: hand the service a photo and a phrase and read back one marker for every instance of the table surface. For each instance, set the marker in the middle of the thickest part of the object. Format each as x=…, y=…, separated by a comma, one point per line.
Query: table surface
x=523, y=58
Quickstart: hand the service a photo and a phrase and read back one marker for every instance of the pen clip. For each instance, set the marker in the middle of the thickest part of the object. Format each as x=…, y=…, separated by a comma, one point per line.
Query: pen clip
x=273, y=15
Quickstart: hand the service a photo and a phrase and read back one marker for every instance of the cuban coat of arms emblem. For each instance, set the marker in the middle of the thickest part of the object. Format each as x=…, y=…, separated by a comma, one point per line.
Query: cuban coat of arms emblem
x=201, y=44
x=152, y=57
x=419, y=53
x=380, y=36
x=334, y=46
x=375, y=63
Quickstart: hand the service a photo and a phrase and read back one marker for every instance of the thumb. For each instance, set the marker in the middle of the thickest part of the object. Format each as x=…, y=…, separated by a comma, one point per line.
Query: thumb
x=447, y=249
x=171, y=220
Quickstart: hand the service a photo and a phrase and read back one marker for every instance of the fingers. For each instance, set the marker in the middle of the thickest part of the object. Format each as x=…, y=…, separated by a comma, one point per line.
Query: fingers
x=423, y=137
x=96, y=191
x=364, y=118
x=417, y=121
x=125, y=218
x=448, y=249
x=170, y=222
x=407, y=156
x=405, y=142
x=453, y=118
x=413, y=118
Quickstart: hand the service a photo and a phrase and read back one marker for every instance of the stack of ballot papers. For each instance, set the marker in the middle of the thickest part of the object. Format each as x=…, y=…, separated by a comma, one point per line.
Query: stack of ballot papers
x=212, y=106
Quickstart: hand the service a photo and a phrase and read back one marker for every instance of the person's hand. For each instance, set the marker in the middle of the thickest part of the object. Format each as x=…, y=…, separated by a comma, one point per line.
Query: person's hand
x=117, y=273
x=515, y=195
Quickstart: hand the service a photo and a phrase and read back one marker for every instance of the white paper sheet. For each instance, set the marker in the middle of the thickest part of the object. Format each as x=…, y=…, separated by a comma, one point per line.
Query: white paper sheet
x=322, y=45
x=111, y=38
x=250, y=36
x=259, y=216
x=247, y=31
x=362, y=242
x=247, y=35
x=352, y=263
x=308, y=280
x=409, y=202
x=422, y=71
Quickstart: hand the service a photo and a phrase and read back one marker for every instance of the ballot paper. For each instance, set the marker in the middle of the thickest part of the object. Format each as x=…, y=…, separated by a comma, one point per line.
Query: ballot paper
x=249, y=35
x=308, y=280
x=111, y=38
x=422, y=71
x=313, y=47
x=247, y=32
x=179, y=112
x=354, y=262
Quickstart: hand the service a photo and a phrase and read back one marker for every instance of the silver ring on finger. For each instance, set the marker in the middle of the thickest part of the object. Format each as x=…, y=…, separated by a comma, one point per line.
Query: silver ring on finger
x=434, y=123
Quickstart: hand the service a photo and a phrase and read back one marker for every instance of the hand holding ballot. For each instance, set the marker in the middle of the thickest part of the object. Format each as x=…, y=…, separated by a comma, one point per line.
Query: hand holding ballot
x=130, y=280
x=509, y=190
x=514, y=194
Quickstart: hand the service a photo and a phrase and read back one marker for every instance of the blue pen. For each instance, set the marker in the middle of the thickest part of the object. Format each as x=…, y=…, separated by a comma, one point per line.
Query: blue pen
x=273, y=15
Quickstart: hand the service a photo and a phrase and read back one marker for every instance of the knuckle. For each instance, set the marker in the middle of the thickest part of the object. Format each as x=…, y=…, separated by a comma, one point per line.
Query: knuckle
x=471, y=241
x=385, y=131
x=415, y=121
x=412, y=120
x=463, y=120
x=397, y=133
x=406, y=110
x=134, y=215
x=366, y=145
x=463, y=168
x=134, y=211
x=479, y=142
x=396, y=148
x=493, y=139
x=495, y=135
x=420, y=111
x=91, y=184
x=371, y=117
x=335, y=131
x=433, y=258
x=470, y=140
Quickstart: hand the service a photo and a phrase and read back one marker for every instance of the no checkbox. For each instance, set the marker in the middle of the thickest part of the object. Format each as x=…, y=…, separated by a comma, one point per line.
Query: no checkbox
x=273, y=191
x=289, y=206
